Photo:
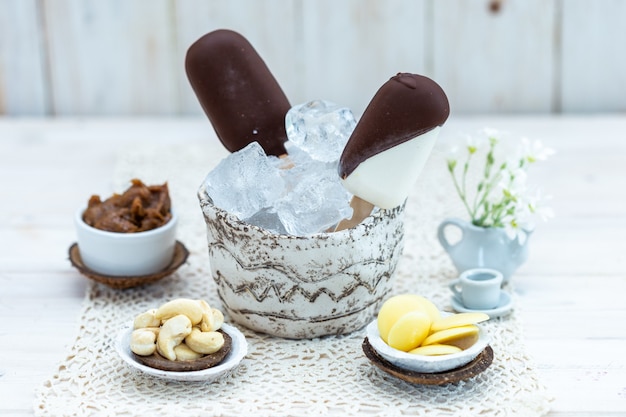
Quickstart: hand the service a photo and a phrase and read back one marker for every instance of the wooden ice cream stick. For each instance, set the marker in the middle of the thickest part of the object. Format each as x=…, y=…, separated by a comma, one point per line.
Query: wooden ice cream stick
x=361, y=209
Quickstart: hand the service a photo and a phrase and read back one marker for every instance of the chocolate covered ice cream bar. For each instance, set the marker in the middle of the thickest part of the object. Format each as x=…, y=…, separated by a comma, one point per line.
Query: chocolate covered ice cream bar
x=393, y=139
x=237, y=91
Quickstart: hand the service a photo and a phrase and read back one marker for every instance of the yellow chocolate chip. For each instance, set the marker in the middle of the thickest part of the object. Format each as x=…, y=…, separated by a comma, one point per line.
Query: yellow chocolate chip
x=458, y=320
x=397, y=306
x=448, y=336
x=435, y=350
x=409, y=331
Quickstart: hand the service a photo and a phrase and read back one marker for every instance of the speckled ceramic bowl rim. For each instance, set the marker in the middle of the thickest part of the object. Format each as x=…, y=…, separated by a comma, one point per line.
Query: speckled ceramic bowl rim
x=236, y=222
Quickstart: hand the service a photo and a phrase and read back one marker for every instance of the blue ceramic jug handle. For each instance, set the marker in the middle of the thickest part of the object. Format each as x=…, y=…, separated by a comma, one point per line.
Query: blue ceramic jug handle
x=442, y=227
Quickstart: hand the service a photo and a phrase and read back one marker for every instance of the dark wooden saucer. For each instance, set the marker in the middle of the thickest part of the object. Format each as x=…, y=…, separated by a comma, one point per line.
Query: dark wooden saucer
x=478, y=365
x=122, y=282
x=159, y=362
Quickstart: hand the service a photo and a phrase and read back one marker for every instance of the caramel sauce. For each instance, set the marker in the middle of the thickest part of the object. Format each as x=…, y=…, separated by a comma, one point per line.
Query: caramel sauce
x=138, y=209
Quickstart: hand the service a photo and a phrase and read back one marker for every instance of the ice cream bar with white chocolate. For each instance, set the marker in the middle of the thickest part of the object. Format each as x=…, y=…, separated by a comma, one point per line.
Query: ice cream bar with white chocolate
x=237, y=91
x=393, y=139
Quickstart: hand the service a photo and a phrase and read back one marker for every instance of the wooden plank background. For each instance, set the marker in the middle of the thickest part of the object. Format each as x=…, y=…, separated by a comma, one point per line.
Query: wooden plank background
x=125, y=58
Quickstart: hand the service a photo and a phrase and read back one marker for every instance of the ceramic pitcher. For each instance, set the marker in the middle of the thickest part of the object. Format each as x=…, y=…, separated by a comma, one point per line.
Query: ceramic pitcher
x=483, y=247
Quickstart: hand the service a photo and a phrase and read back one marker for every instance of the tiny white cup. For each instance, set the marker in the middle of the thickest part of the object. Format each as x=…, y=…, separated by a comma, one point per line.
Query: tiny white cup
x=125, y=254
x=478, y=288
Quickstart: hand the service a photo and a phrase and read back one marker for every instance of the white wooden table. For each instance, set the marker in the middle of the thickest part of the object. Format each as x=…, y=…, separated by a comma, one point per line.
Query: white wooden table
x=572, y=291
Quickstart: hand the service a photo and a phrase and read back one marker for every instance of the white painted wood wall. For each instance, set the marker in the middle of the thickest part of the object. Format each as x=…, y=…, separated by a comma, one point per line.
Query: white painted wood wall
x=125, y=57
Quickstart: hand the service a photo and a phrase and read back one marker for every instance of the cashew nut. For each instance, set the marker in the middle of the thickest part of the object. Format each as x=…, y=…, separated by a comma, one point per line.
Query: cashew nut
x=147, y=319
x=172, y=334
x=206, y=324
x=143, y=342
x=155, y=330
x=218, y=319
x=185, y=353
x=212, y=318
x=190, y=308
x=204, y=342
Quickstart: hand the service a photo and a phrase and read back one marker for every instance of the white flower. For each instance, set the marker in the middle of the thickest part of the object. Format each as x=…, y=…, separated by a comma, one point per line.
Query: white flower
x=491, y=133
x=511, y=226
x=517, y=227
x=452, y=156
x=513, y=180
x=475, y=143
x=535, y=205
x=534, y=151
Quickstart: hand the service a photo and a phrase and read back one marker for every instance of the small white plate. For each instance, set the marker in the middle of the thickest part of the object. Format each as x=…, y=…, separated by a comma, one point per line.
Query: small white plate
x=421, y=363
x=238, y=351
x=505, y=306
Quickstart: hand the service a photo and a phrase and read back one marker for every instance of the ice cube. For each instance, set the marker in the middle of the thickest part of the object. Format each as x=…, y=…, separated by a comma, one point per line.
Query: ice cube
x=297, y=166
x=317, y=202
x=245, y=182
x=267, y=219
x=320, y=128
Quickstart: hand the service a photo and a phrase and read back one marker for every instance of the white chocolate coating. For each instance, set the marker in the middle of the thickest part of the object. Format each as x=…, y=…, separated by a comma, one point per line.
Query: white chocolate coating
x=386, y=178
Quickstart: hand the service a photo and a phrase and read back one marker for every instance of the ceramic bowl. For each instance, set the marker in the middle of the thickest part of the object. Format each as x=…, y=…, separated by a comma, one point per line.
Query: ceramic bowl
x=425, y=364
x=238, y=351
x=125, y=254
x=302, y=286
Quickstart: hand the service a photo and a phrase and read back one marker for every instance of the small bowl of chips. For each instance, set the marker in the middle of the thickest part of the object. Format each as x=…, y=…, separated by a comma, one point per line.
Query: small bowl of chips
x=431, y=363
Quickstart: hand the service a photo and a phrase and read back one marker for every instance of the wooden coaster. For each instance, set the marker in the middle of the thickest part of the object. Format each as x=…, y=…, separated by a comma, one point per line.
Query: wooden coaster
x=122, y=282
x=159, y=362
x=478, y=365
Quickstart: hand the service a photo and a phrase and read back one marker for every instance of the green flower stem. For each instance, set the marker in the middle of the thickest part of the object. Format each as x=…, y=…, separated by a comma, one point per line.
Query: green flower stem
x=459, y=190
x=484, y=186
x=465, y=170
x=481, y=199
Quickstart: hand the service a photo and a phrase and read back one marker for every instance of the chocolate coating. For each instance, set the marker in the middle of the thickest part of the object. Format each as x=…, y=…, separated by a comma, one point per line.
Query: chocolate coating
x=406, y=106
x=237, y=91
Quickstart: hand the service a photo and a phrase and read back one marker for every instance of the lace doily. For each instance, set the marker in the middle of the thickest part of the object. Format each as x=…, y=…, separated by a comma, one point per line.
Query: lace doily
x=280, y=377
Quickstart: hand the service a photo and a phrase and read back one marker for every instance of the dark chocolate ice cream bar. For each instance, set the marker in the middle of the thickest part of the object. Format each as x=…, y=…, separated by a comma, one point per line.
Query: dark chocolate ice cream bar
x=406, y=106
x=392, y=141
x=237, y=91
